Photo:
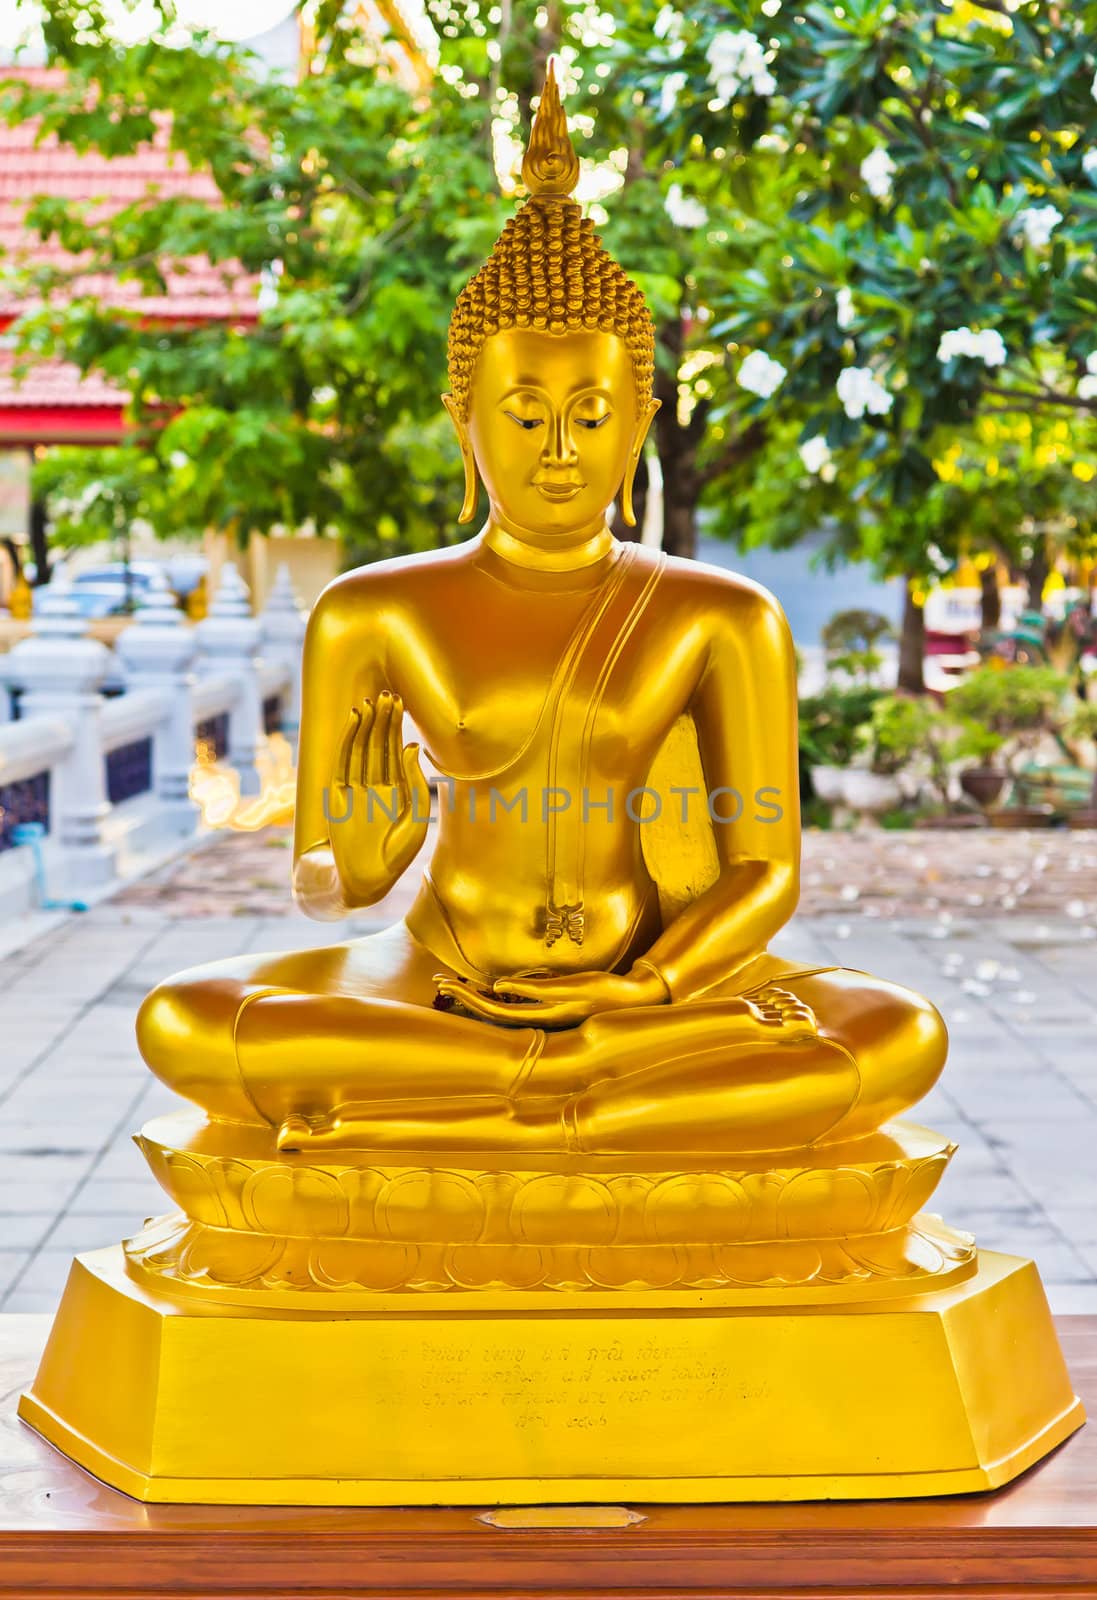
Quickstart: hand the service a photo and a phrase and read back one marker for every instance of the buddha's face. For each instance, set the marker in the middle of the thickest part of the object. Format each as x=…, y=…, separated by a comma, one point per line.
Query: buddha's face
x=553, y=419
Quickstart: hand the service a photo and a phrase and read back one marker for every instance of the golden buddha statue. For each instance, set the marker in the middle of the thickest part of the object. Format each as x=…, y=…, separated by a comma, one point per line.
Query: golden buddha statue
x=572, y=1093
x=546, y=666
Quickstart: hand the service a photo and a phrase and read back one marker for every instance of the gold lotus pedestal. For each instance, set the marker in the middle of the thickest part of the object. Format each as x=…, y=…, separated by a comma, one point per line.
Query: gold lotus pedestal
x=372, y=1331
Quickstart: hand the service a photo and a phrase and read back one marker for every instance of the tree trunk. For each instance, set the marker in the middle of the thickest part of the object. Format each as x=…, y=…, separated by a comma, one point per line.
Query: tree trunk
x=912, y=645
x=679, y=526
x=990, y=603
x=677, y=447
x=39, y=543
x=1035, y=573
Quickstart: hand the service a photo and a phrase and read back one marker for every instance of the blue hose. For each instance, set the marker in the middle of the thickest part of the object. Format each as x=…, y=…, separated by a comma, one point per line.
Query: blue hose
x=33, y=833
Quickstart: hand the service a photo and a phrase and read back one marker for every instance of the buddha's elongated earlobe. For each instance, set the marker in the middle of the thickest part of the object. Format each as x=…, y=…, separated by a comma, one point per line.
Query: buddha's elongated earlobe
x=635, y=453
x=468, y=505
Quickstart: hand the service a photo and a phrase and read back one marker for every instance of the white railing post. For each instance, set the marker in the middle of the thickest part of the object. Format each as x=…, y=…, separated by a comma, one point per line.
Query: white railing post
x=228, y=641
x=283, y=631
x=158, y=651
x=59, y=672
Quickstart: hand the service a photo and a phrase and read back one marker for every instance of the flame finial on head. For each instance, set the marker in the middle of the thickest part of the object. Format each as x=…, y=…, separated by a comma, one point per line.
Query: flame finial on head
x=548, y=270
x=550, y=166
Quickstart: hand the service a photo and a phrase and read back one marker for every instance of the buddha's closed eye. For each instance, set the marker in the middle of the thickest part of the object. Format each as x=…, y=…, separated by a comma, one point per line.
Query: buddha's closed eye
x=537, y=422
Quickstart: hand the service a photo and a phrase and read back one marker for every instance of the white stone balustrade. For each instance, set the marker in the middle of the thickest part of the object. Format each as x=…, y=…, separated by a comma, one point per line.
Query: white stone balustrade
x=31, y=749
x=158, y=652
x=283, y=634
x=228, y=643
x=79, y=748
x=33, y=745
x=59, y=673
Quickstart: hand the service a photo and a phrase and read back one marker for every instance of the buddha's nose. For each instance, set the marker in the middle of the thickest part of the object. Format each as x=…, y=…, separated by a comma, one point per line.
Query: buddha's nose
x=559, y=446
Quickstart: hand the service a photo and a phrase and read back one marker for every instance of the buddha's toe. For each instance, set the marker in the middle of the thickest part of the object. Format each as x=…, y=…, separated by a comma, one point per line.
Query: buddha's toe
x=295, y=1133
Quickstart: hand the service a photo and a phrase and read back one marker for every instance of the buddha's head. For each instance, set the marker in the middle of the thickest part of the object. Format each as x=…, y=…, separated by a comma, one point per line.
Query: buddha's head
x=551, y=358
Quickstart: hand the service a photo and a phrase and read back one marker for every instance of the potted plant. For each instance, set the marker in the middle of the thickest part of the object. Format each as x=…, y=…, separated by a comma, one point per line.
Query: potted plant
x=985, y=779
x=896, y=730
x=945, y=741
x=1082, y=727
x=1000, y=706
x=830, y=723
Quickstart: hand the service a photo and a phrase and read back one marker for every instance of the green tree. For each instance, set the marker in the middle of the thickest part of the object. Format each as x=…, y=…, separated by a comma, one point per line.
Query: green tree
x=894, y=210
x=861, y=228
x=355, y=207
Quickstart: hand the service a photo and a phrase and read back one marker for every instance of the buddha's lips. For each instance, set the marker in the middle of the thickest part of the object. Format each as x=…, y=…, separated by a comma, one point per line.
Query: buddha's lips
x=559, y=491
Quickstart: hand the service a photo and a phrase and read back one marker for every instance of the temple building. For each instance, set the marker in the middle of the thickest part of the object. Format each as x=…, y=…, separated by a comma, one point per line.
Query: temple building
x=48, y=402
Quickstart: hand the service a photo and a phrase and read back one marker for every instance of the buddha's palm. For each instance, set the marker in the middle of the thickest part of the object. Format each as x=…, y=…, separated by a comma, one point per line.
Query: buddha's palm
x=380, y=802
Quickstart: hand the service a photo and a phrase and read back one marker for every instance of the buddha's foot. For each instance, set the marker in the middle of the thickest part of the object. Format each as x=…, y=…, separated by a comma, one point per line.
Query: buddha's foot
x=533, y=1125
x=779, y=1011
x=295, y=1133
x=332, y=1132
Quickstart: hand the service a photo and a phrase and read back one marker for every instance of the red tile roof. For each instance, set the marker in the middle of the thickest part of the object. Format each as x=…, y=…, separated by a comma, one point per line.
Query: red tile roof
x=54, y=405
x=196, y=290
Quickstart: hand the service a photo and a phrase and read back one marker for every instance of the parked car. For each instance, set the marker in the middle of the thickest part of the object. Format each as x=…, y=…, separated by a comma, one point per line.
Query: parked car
x=103, y=599
x=143, y=576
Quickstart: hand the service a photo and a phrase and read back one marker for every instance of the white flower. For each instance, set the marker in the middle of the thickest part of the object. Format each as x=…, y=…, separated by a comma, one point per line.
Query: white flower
x=1037, y=224
x=1087, y=388
x=672, y=86
x=876, y=172
x=597, y=180
x=859, y=392
x=760, y=374
x=267, y=296
x=992, y=347
x=683, y=210
x=1093, y=86
x=507, y=152
x=987, y=347
x=595, y=28
x=815, y=453
x=19, y=26
x=1091, y=361
x=737, y=61
x=847, y=312
x=1089, y=164
x=669, y=23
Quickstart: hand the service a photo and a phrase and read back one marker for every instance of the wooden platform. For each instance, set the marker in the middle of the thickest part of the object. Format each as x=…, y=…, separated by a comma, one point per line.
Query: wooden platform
x=62, y=1534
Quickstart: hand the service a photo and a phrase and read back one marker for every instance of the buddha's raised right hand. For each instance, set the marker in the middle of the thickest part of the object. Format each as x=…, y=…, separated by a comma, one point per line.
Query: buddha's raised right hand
x=378, y=803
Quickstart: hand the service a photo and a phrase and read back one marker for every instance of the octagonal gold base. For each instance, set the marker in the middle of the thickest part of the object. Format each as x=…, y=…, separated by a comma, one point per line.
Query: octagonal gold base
x=485, y=1397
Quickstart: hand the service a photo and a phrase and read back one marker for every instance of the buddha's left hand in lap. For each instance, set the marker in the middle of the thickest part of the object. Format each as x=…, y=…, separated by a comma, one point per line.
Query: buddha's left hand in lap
x=560, y=1001
x=569, y=999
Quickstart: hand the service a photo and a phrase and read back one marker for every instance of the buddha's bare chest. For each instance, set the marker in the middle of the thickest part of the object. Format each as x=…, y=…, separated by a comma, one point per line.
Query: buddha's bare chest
x=509, y=692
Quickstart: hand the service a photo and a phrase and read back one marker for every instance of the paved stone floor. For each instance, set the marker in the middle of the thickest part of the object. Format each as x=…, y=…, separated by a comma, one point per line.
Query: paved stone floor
x=999, y=929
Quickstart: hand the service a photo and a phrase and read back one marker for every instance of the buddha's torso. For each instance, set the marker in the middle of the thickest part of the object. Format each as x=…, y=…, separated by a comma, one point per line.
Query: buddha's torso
x=533, y=734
